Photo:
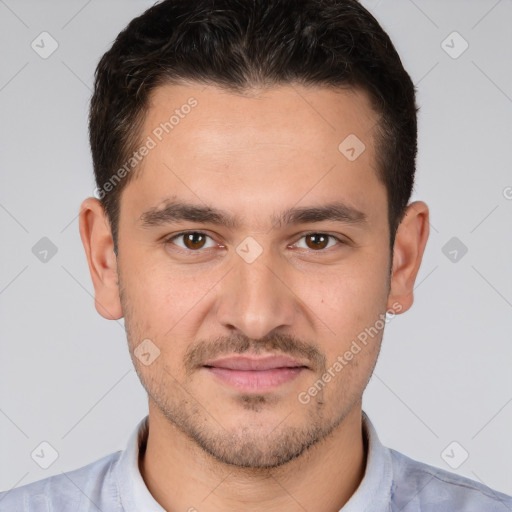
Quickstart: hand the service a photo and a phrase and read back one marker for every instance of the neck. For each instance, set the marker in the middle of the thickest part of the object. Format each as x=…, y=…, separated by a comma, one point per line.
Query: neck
x=181, y=476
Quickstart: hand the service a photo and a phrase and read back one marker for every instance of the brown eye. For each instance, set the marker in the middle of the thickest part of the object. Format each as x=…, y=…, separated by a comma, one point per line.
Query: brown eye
x=192, y=241
x=317, y=240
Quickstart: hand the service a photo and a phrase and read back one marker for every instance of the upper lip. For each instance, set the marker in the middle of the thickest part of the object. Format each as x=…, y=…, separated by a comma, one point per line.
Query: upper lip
x=255, y=363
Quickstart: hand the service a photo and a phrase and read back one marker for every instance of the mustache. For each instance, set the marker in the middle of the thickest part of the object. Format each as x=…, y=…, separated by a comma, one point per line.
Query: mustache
x=278, y=344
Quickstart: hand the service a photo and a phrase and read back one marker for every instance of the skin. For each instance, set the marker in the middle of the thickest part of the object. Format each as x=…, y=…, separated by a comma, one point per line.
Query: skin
x=210, y=446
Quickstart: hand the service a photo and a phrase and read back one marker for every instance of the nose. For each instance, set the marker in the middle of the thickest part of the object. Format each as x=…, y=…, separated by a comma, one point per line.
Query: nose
x=256, y=298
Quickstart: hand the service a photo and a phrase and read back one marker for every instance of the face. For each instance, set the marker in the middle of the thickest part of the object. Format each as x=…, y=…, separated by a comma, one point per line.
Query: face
x=253, y=258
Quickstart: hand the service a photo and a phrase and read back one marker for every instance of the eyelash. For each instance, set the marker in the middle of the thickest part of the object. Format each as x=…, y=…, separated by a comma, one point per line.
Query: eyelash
x=170, y=239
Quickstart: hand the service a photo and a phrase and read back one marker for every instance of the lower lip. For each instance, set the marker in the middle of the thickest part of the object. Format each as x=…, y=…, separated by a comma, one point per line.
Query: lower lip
x=256, y=380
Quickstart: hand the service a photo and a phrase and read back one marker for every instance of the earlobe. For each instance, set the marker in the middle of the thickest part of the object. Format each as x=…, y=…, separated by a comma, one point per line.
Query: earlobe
x=97, y=240
x=410, y=241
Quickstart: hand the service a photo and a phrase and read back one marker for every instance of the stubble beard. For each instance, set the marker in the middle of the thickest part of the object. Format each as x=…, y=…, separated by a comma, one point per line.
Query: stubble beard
x=245, y=446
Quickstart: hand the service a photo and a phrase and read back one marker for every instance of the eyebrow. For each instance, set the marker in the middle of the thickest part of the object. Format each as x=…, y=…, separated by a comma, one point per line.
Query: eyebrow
x=176, y=211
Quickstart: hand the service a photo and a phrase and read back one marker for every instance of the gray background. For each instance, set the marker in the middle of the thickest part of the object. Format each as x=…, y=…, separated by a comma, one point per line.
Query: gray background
x=444, y=372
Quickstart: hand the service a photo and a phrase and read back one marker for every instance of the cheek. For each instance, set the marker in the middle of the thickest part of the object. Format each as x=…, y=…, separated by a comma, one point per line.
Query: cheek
x=349, y=297
x=350, y=303
x=163, y=300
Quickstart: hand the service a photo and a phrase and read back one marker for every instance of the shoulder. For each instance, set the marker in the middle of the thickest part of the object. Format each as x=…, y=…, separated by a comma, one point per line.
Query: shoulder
x=419, y=486
x=82, y=489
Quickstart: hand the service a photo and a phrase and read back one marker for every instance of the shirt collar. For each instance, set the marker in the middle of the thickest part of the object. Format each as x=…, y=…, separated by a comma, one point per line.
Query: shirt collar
x=373, y=493
x=133, y=493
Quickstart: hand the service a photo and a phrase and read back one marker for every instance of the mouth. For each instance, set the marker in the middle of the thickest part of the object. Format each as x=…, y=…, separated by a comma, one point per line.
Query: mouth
x=255, y=374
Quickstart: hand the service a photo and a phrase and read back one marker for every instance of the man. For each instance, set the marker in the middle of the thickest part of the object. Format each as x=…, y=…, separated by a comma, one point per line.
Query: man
x=254, y=162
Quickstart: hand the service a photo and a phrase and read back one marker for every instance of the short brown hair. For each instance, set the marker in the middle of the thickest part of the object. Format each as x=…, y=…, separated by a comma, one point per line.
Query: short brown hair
x=240, y=44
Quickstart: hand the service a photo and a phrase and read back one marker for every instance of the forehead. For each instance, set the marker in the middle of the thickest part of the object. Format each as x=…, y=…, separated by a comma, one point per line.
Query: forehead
x=286, y=114
x=272, y=146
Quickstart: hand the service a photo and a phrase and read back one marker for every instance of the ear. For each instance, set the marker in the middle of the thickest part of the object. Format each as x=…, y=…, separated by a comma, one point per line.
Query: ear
x=99, y=248
x=410, y=241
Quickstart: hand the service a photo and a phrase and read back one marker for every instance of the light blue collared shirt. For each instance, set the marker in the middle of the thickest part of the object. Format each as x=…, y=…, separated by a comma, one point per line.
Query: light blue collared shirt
x=392, y=483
